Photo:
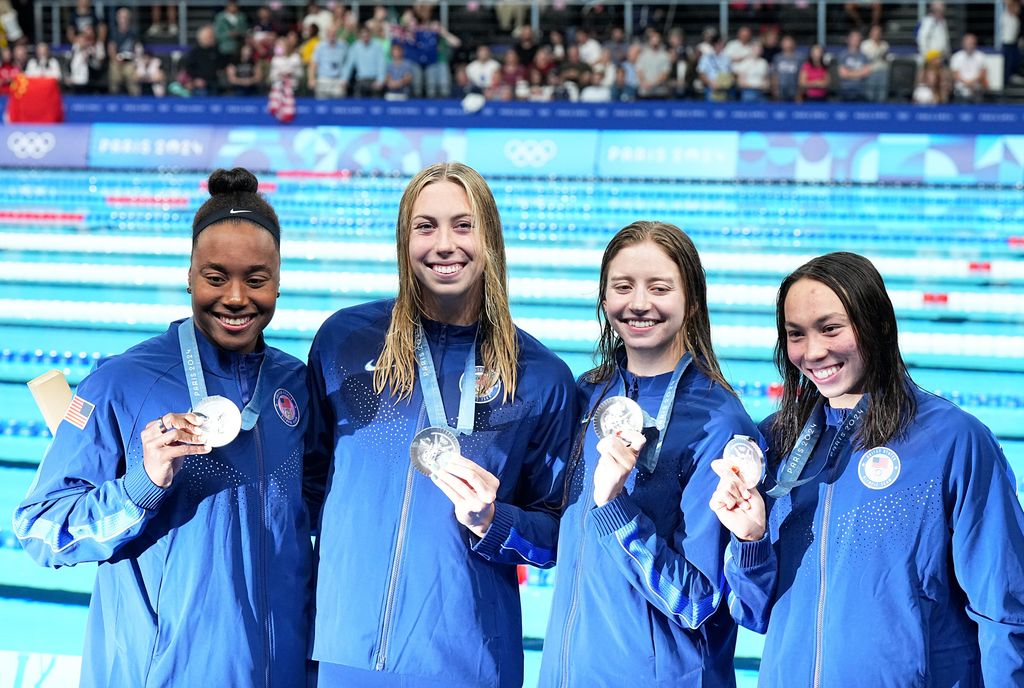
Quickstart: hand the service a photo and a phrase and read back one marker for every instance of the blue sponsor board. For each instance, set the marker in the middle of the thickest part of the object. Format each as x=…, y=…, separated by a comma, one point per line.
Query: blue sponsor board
x=531, y=152
x=152, y=146
x=27, y=145
x=668, y=155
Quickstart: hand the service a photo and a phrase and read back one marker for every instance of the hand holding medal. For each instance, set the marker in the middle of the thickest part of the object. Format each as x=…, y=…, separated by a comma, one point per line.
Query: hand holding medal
x=167, y=440
x=736, y=501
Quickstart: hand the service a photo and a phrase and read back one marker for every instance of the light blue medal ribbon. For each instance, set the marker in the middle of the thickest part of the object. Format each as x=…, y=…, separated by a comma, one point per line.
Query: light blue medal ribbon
x=789, y=473
x=197, y=384
x=432, y=392
x=648, y=458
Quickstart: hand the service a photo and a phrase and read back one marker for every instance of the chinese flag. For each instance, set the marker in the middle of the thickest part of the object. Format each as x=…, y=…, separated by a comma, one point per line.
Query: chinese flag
x=35, y=100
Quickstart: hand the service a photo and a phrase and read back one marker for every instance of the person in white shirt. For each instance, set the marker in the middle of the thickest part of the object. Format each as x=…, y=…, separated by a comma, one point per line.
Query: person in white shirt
x=43, y=64
x=933, y=32
x=876, y=48
x=740, y=48
x=483, y=71
x=970, y=80
x=590, y=49
x=752, y=76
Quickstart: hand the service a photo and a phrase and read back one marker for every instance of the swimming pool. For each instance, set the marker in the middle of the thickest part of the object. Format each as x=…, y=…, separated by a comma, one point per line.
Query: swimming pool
x=93, y=262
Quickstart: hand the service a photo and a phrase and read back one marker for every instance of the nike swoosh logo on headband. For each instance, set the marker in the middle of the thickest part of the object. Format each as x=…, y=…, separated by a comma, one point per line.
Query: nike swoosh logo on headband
x=236, y=212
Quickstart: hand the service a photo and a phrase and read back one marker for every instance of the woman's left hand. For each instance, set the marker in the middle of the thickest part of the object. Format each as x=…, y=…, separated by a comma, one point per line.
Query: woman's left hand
x=472, y=490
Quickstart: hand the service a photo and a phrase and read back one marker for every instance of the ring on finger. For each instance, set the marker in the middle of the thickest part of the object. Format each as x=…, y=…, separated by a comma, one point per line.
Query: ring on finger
x=162, y=426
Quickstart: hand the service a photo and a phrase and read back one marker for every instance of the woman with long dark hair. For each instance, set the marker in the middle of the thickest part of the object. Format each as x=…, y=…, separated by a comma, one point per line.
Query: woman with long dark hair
x=893, y=552
x=639, y=597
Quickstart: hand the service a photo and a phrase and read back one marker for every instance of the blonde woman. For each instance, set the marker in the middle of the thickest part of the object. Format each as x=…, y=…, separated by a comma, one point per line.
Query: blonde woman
x=416, y=580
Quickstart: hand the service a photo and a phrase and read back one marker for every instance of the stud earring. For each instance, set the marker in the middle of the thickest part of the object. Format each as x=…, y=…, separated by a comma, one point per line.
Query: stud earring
x=188, y=289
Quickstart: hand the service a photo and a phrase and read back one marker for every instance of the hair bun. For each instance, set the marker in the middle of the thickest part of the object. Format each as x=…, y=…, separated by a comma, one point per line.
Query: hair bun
x=238, y=180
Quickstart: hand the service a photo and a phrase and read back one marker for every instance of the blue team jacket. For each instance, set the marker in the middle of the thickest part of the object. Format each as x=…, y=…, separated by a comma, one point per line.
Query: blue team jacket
x=205, y=583
x=898, y=566
x=403, y=590
x=640, y=579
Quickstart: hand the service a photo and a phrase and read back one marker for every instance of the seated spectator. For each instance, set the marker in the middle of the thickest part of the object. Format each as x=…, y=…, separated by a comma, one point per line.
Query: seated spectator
x=786, y=72
x=752, y=77
x=398, y=75
x=121, y=53
x=933, y=32
x=653, y=68
x=556, y=44
x=854, y=70
x=201, y=67
x=617, y=45
x=540, y=91
x=573, y=73
x=544, y=63
x=627, y=82
x=148, y=74
x=511, y=77
x=483, y=71
x=461, y=86
x=740, y=48
x=715, y=71
x=814, y=77
x=970, y=79
x=86, y=16
x=364, y=67
x=244, y=73
x=853, y=12
x=326, y=68
x=934, y=81
x=44, y=64
x=589, y=48
x=877, y=51
x=706, y=46
x=525, y=46
x=230, y=26
x=1009, y=30
x=87, y=63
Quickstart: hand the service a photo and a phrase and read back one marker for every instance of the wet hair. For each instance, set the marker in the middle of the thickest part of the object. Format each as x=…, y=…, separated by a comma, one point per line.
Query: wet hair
x=499, y=343
x=234, y=197
x=695, y=334
x=861, y=290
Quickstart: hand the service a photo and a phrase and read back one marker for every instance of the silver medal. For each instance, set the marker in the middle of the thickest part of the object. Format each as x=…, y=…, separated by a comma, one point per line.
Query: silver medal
x=615, y=414
x=431, y=449
x=223, y=420
x=743, y=454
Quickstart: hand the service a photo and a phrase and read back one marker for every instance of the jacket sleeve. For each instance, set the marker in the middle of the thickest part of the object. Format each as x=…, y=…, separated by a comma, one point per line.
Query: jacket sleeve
x=83, y=504
x=525, y=530
x=683, y=578
x=319, y=449
x=988, y=536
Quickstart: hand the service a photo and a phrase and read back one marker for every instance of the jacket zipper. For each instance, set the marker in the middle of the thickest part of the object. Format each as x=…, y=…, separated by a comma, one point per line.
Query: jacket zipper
x=826, y=515
x=260, y=467
x=570, y=616
x=396, y=564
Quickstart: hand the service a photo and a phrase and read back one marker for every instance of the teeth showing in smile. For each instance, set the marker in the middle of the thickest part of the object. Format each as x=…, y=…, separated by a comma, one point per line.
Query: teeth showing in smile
x=640, y=323
x=823, y=373
x=447, y=269
x=235, y=322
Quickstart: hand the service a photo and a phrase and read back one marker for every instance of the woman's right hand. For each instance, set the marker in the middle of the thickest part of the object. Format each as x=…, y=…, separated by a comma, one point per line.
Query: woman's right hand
x=166, y=442
x=740, y=509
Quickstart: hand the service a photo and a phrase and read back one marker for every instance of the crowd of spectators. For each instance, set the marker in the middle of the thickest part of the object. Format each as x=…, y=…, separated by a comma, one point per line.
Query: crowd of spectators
x=404, y=52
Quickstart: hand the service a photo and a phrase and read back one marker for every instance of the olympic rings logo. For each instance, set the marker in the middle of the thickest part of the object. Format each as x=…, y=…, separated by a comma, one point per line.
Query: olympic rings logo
x=530, y=152
x=31, y=144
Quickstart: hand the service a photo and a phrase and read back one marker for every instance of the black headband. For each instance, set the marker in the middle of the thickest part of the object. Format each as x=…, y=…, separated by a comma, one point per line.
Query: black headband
x=253, y=216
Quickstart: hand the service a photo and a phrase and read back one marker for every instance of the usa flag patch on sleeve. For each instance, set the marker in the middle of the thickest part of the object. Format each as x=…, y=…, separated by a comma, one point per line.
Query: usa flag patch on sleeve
x=78, y=412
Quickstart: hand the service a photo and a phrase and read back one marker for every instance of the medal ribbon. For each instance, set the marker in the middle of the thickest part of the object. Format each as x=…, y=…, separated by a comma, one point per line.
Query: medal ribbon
x=789, y=474
x=197, y=384
x=432, y=392
x=649, y=459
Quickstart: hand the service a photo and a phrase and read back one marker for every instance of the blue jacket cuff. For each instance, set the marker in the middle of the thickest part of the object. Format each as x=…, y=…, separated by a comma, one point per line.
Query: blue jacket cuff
x=496, y=536
x=615, y=514
x=750, y=554
x=141, y=490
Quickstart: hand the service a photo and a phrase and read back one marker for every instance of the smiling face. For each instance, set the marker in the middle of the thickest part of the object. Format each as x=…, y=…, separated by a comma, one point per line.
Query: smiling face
x=645, y=302
x=822, y=344
x=234, y=277
x=445, y=253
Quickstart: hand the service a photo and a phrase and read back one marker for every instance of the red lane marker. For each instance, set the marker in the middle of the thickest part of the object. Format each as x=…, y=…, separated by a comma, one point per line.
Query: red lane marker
x=1016, y=241
x=48, y=216
x=178, y=201
x=936, y=298
x=775, y=390
x=980, y=266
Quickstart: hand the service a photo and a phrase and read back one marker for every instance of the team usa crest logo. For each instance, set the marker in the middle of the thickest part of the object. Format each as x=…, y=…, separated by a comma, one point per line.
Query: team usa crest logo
x=287, y=409
x=879, y=468
x=488, y=386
